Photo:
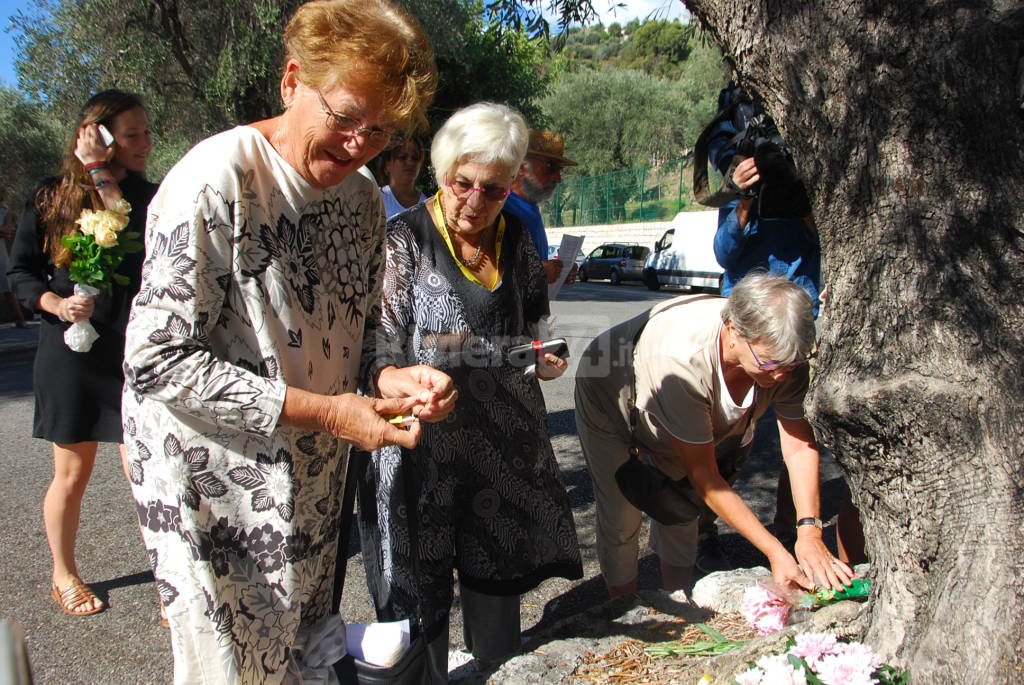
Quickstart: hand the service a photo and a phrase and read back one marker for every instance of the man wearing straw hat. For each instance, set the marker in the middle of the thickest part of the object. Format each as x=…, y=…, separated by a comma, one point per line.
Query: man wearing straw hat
x=540, y=173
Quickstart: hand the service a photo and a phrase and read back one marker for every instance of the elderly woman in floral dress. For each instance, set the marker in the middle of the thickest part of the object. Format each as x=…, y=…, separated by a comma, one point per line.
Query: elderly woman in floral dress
x=243, y=357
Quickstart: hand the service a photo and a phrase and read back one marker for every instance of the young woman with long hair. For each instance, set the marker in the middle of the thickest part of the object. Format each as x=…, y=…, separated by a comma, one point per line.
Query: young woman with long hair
x=78, y=394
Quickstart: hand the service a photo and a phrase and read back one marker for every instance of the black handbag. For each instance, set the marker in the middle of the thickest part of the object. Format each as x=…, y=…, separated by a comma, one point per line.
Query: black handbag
x=644, y=486
x=414, y=666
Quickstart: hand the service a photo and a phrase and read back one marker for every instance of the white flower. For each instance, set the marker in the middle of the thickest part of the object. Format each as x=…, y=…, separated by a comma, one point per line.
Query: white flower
x=778, y=671
x=103, y=221
x=105, y=238
x=754, y=676
x=122, y=207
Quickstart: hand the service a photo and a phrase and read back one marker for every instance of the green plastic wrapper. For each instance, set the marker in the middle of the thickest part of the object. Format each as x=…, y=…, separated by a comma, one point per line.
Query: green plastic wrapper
x=859, y=589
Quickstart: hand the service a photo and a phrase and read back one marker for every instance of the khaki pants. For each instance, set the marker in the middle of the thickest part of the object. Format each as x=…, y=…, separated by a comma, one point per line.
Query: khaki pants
x=604, y=437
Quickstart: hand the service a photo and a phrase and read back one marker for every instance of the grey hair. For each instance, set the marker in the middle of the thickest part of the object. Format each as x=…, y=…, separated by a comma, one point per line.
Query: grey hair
x=774, y=311
x=485, y=132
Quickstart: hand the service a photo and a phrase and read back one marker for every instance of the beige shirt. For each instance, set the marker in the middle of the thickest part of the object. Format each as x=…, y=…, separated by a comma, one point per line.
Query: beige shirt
x=678, y=366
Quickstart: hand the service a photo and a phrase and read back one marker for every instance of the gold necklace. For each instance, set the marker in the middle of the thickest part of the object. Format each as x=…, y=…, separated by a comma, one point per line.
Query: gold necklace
x=477, y=256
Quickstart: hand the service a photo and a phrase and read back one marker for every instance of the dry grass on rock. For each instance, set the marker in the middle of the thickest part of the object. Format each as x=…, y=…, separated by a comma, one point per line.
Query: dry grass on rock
x=628, y=662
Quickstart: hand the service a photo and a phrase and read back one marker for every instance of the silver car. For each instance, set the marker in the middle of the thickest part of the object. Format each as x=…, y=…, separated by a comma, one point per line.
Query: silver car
x=616, y=262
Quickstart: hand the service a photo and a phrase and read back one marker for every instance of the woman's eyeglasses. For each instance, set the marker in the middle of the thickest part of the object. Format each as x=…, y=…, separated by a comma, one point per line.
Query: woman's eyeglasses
x=462, y=189
x=779, y=366
x=347, y=126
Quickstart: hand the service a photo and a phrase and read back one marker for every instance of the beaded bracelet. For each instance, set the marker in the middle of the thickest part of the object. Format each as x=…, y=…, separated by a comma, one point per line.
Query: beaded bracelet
x=95, y=165
x=96, y=170
x=100, y=184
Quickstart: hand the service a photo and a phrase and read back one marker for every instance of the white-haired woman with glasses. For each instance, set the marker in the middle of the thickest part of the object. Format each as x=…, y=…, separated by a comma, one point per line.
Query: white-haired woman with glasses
x=484, y=493
x=245, y=350
x=702, y=370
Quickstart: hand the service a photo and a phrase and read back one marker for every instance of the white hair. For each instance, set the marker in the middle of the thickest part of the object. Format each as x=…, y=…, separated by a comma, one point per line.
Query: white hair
x=775, y=311
x=485, y=132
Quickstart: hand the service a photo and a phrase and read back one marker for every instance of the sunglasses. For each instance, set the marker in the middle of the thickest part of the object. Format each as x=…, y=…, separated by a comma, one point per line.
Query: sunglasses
x=462, y=189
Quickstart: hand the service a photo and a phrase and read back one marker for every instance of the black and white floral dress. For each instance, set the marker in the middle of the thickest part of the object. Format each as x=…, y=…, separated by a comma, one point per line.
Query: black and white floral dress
x=489, y=499
x=253, y=281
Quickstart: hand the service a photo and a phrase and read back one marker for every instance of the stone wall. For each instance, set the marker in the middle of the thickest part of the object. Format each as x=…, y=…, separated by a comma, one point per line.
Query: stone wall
x=641, y=234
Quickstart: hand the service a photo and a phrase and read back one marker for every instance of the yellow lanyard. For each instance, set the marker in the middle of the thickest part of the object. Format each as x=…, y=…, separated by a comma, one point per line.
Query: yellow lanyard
x=439, y=219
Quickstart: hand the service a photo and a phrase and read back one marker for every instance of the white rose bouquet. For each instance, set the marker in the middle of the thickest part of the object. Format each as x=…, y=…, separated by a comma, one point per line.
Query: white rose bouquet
x=97, y=249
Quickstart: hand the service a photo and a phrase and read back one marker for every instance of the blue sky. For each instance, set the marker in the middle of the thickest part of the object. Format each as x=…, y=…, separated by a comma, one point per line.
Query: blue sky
x=8, y=8
x=659, y=9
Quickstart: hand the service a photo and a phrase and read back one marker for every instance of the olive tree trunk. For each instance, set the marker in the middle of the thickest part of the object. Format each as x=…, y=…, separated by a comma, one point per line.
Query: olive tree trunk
x=905, y=119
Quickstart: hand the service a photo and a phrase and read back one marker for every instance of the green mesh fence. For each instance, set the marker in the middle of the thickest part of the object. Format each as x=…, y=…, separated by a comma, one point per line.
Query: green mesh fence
x=652, y=193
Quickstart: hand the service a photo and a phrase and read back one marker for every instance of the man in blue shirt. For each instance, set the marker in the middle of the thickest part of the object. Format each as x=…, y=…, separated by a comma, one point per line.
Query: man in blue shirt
x=538, y=177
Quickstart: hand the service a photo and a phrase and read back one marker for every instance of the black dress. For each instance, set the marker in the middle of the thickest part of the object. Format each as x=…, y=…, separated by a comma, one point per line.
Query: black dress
x=490, y=500
x=78, y=394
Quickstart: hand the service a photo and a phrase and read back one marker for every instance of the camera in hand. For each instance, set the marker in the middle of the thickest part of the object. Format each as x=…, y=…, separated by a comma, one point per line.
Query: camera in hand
x=780, y=194
x=742, y=129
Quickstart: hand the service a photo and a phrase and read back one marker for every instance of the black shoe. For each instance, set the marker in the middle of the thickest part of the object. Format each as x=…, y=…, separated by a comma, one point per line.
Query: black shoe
x=711, y=555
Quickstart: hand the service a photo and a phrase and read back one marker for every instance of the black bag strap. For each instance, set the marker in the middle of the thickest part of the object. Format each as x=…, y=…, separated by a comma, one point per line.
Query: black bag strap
x=353, y=474
x=358, y=461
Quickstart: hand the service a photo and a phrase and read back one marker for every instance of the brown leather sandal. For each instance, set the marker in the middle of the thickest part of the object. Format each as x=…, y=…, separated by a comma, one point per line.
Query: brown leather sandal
x=73, y=596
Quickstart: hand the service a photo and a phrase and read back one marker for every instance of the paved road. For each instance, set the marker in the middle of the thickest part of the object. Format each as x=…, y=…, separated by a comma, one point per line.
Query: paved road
x=126, y=644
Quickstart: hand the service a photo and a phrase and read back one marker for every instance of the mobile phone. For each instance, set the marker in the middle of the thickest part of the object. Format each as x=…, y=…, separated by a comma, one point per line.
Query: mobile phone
x=108, y=139
x=522, y=356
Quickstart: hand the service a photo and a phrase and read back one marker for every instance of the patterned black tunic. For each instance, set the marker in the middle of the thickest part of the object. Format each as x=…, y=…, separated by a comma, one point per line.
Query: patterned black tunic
x=489, y=498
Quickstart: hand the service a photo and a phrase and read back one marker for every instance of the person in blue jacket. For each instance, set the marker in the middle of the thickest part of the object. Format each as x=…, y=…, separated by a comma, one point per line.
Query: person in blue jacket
x=745, y=241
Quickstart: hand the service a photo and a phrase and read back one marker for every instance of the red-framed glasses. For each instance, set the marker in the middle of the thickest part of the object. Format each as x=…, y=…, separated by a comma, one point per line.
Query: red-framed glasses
x=462, y=189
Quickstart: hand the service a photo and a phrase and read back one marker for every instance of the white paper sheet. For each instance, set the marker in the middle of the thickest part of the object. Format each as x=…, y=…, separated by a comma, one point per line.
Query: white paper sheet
x=567, y=251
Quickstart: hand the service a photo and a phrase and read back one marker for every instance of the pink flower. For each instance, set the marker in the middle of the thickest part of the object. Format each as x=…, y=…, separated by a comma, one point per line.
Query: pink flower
x=847, y=667
x=861, y=652
x=765, y=611
x=813, y=646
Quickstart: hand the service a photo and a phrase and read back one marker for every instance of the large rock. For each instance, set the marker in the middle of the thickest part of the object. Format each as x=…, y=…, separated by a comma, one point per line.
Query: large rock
x=551, y=656
x=723, y=591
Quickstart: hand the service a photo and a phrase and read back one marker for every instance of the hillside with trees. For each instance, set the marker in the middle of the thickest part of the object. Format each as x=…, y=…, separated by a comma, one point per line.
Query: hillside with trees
x=204, y=66
x=633, y=96
x=622, y=96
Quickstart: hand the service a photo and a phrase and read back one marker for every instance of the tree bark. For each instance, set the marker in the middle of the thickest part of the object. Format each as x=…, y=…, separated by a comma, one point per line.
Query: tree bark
x=906, y=120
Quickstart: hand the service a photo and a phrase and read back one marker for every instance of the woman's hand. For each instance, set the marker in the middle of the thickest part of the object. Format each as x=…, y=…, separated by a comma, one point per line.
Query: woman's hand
x=786, y=572
x=819, y=564
x=75, y=308
x=362, y=421
x=89, y=147
x=745, y=174
x=550, y=367
x=432, y=390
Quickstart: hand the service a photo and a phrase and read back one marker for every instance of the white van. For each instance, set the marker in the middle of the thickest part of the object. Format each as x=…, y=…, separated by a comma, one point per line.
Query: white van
x=685, y=254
